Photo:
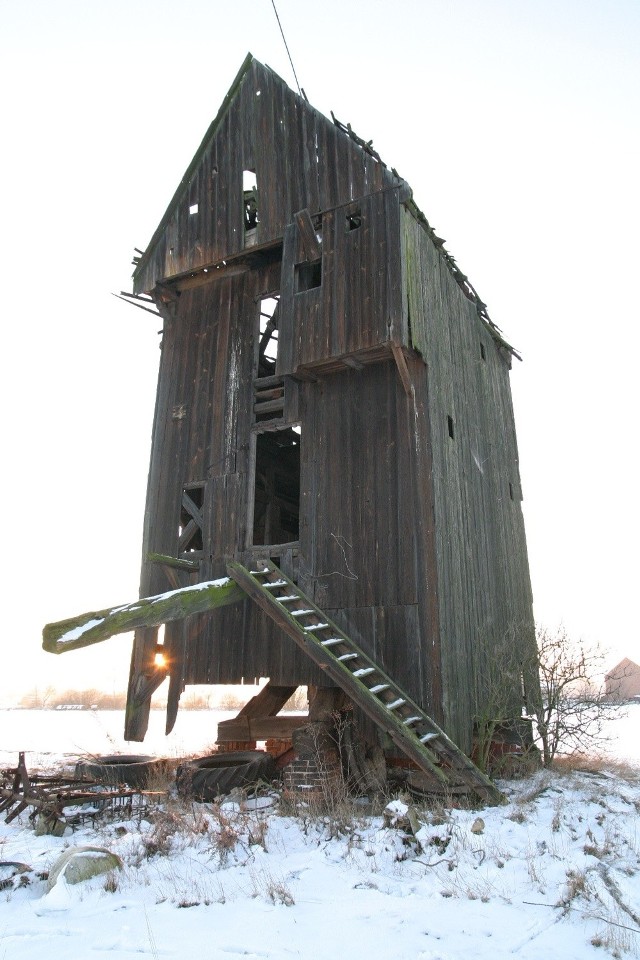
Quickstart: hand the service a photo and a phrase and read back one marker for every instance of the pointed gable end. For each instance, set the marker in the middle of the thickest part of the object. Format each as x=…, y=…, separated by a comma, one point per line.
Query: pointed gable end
x=267, y=155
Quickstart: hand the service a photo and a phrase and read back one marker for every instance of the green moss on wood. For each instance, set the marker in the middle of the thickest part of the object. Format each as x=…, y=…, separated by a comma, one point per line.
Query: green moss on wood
x=96, y=626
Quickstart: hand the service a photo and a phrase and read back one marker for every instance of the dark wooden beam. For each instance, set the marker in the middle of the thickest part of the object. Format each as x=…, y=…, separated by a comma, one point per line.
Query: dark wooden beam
x=259, y=728
x=268, y=702
x=403, y=370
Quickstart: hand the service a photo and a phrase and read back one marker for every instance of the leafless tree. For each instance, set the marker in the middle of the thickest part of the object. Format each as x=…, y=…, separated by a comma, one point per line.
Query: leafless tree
x=573, y=710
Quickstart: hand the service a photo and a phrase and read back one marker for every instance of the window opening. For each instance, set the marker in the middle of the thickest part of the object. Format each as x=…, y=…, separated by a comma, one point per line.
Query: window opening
x=308, y=276
x=276, y=509
x=268, y=335
x=190, y=529
x=483, y=352
x=193, y=209
x=250, y=195
x=353, y=221
x=450, y=426
x=511, y=491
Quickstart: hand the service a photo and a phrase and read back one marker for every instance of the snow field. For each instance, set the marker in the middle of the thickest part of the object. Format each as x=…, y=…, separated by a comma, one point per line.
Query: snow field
x=555, y=872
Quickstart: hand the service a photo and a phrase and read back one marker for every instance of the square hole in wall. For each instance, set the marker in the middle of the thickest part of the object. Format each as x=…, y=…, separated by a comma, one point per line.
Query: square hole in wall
x=353, y=221
x=308, y=276
x=193, y=209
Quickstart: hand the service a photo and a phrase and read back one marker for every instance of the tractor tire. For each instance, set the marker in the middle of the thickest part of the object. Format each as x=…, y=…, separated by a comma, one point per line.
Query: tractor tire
x=206, y=778
x=130, y=771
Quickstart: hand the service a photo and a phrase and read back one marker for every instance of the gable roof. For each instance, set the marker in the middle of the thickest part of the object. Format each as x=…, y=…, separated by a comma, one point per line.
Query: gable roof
x=312, y=161
x=625, y=667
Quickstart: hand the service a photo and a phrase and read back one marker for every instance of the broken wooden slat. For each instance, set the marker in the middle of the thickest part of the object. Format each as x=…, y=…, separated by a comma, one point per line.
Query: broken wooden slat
x=310, y=243
x=96, y=626
x=191, y=566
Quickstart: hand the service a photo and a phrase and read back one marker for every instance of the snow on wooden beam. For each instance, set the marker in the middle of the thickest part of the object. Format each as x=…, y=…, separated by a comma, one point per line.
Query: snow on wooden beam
x=99, y=625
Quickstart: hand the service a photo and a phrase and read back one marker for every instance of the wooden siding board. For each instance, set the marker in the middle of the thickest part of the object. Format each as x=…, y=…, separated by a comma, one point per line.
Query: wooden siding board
x=307, y=161
x=359, y=296
x=358, y=488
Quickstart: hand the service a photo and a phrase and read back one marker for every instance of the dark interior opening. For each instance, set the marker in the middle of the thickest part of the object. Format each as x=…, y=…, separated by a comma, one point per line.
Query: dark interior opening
x=353, y=221
x=276, y=510
x=450, y=427
x=308, y=276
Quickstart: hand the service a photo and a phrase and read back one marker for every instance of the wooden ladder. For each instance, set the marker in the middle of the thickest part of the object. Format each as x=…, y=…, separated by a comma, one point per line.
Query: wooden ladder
x=410, y=728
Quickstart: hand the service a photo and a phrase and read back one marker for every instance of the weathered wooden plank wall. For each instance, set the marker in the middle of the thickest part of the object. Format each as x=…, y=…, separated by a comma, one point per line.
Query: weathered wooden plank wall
x=358, y=304
x=359, y=500
x=484, y=590
x=308, y=163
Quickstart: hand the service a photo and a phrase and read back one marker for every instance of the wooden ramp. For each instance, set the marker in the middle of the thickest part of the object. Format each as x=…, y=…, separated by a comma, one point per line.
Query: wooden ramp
x=410, y=728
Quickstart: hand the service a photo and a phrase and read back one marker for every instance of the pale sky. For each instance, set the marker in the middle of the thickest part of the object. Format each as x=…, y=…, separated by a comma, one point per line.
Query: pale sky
x=516, y=122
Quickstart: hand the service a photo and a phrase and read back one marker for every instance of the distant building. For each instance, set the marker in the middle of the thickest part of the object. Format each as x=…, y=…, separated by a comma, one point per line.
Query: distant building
x=623, y=681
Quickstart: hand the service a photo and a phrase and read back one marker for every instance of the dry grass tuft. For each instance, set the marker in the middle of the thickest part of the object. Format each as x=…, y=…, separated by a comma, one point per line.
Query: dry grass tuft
x=596, y=764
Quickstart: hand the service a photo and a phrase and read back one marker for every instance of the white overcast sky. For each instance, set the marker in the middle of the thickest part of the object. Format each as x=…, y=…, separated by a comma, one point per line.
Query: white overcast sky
x=516, y=122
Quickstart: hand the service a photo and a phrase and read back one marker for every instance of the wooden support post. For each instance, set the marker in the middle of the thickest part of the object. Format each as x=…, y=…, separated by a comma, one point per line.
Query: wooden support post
x=258, y=718
x=403, y=370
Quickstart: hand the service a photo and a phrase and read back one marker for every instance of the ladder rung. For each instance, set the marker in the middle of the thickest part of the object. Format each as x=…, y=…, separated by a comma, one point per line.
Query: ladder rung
x=348, y=656
x=411, y=720
x=316, y=626
x=428, y=736
x=292, y=596
x=300, y=613
x=364, y=671
x=259, y=573
x=331, y=641
x=395, y=704
x=379, y=687
x=274, y=583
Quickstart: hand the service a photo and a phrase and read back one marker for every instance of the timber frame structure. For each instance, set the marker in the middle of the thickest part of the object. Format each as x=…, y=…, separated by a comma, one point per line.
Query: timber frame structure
x=333, y=405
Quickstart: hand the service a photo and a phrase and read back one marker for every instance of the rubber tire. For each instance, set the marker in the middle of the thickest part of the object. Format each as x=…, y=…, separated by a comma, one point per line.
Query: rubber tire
x=128, y=770
x=206, y=778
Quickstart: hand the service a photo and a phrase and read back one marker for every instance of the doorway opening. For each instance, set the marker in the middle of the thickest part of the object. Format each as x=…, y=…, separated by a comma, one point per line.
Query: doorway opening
x=276, y=498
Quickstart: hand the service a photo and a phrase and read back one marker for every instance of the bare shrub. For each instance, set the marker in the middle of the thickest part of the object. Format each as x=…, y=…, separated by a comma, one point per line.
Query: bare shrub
x=111, y=883
x=159, y=841
x=573, y=709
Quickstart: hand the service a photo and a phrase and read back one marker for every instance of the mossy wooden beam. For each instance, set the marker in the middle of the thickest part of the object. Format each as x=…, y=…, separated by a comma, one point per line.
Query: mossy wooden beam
x=99, y=625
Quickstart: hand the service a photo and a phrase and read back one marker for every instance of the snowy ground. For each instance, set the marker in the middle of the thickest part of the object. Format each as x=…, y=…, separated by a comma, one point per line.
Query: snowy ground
x=553, y=873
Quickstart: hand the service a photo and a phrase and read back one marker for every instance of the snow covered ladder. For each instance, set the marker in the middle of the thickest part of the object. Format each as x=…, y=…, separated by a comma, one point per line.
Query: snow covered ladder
x=410, y=728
